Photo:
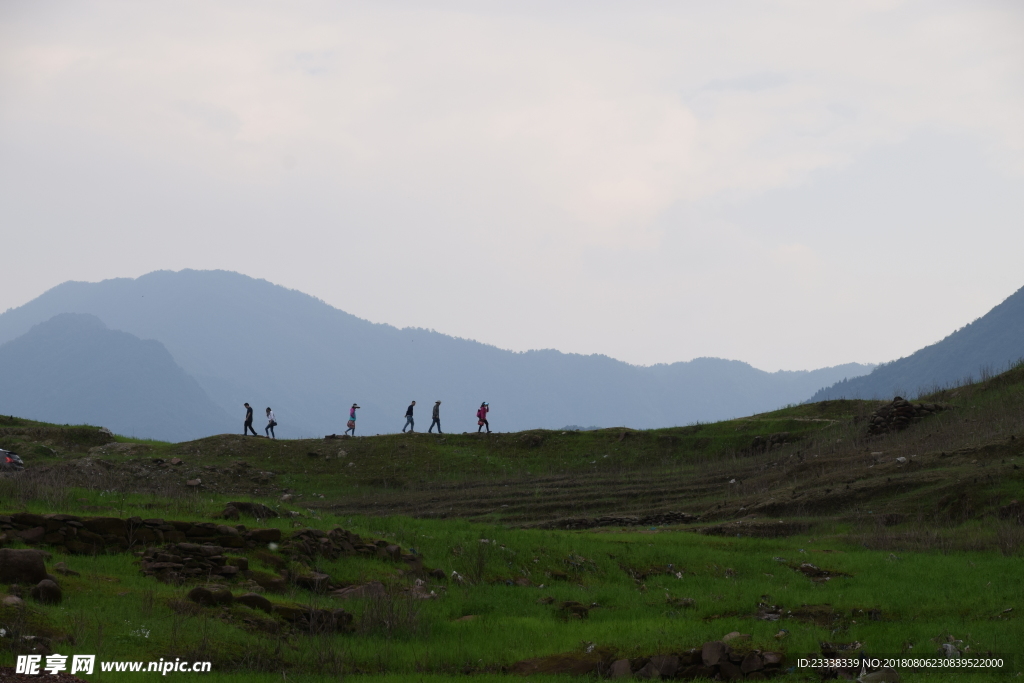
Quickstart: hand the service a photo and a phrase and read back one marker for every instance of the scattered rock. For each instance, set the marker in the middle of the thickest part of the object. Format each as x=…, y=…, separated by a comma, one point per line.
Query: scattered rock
x=47, y=592
x=900, y=414
x=667, y=665
x=648, y=670
x=662, y=519
x=64, y=571
x=24, y=566
x=12, y=601
x=194, y=482
x=620, y=669
x=255, y=601
x=374, y=589
x=712, y=652
x=202, y=596
x=256, y=510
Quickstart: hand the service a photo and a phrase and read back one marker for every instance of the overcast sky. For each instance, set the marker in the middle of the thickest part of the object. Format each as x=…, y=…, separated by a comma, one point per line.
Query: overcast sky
x=793, y=184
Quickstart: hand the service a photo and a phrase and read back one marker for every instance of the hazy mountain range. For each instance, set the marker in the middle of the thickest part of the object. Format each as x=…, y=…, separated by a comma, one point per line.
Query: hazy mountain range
x=72, y=369
x=987, y=345
x=216, y=339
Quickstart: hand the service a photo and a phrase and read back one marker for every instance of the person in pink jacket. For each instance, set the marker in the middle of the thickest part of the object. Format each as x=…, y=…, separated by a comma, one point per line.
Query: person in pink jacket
x=352, y=420
x=481, y=417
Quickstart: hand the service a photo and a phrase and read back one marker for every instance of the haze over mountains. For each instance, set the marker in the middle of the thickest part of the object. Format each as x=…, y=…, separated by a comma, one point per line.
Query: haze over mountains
x=242, y=339
x=72, y=369
x=987, y=345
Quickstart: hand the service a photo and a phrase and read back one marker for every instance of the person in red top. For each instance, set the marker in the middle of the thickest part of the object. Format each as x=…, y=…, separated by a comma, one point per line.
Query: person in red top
x=481, y=417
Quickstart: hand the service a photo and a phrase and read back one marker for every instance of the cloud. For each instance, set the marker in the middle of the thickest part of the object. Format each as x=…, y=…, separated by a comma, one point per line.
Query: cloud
x=556, y=140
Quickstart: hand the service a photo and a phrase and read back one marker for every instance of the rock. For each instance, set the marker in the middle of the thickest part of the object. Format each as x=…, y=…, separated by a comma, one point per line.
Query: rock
x=12, y=601
x=221, y=595
x=438, y=574
x=752, y=662
x=374, y=589
x=257, y=510
x=729, y=671
x=106, y=526
x=620, y=669
x=32, y=536
x=202, y=596
x=885, y=675
x=24, y=566
x=697, y=671
x=901, y=460
x=735, y=635
x=47, y=592
x=712, y=652
x=255, y=601
x=771, y=658
x=666, y=664
x=230, y=512
x=314, y=581
x=176, y=461
x=648, y=670
x=289, y=613
x=264, y=535
x=194, y=482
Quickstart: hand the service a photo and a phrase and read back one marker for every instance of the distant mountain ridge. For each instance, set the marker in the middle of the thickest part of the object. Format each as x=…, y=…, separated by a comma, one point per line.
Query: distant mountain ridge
x=244, y=339
x=986, y=345
x=71, y=369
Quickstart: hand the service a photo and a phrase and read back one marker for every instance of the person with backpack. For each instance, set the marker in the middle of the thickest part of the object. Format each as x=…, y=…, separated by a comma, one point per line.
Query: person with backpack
x=247, y=427
x=408, y=418
x=436, y=415
x=271, y=423
x=481, y=417
x=352, y=419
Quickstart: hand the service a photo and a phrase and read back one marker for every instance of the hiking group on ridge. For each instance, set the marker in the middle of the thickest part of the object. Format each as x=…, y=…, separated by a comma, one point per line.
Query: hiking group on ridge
x=410, y=423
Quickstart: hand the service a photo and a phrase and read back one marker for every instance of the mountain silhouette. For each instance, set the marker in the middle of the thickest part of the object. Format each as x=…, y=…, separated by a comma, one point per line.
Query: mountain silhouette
x=244, y=339
x=72, y=369
x=986, y=346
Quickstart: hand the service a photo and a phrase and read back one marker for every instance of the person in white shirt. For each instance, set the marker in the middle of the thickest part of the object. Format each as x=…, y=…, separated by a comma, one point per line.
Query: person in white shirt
x=271, y=423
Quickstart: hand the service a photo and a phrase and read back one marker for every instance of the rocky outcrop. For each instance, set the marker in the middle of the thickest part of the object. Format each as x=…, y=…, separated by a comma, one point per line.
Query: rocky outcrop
x=761, y=444
x=900, y=414
x=178, y=562
x=661, y=519
x=91, y=535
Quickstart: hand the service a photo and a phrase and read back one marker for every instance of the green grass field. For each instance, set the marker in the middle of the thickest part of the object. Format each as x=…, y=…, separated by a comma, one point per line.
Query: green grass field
x=919, y=551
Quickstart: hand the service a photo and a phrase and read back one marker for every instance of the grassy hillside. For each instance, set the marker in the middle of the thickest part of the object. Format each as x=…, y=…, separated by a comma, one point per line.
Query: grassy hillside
x=904, y=555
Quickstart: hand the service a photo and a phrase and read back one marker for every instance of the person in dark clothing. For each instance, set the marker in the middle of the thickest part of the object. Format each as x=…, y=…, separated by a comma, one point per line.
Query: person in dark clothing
x=436, y=415
x=248, y=422
x=408, y=418
x=481, y=417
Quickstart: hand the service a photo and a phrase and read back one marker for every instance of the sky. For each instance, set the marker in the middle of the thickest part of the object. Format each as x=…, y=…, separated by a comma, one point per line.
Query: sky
x=793, y=184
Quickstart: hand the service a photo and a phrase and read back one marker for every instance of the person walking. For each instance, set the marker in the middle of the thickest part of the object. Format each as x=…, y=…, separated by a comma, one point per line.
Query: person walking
x=408, y=418
x=271, y=423
x=436, y=415
x=352, y=419
x=247, y=427
x=481, y=417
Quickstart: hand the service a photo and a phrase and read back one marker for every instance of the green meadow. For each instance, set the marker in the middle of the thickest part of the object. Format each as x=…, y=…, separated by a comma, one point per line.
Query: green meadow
x=904, y=555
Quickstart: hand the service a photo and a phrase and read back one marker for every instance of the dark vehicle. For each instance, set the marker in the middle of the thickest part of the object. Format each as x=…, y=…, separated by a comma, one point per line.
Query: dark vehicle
x=10, y=462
